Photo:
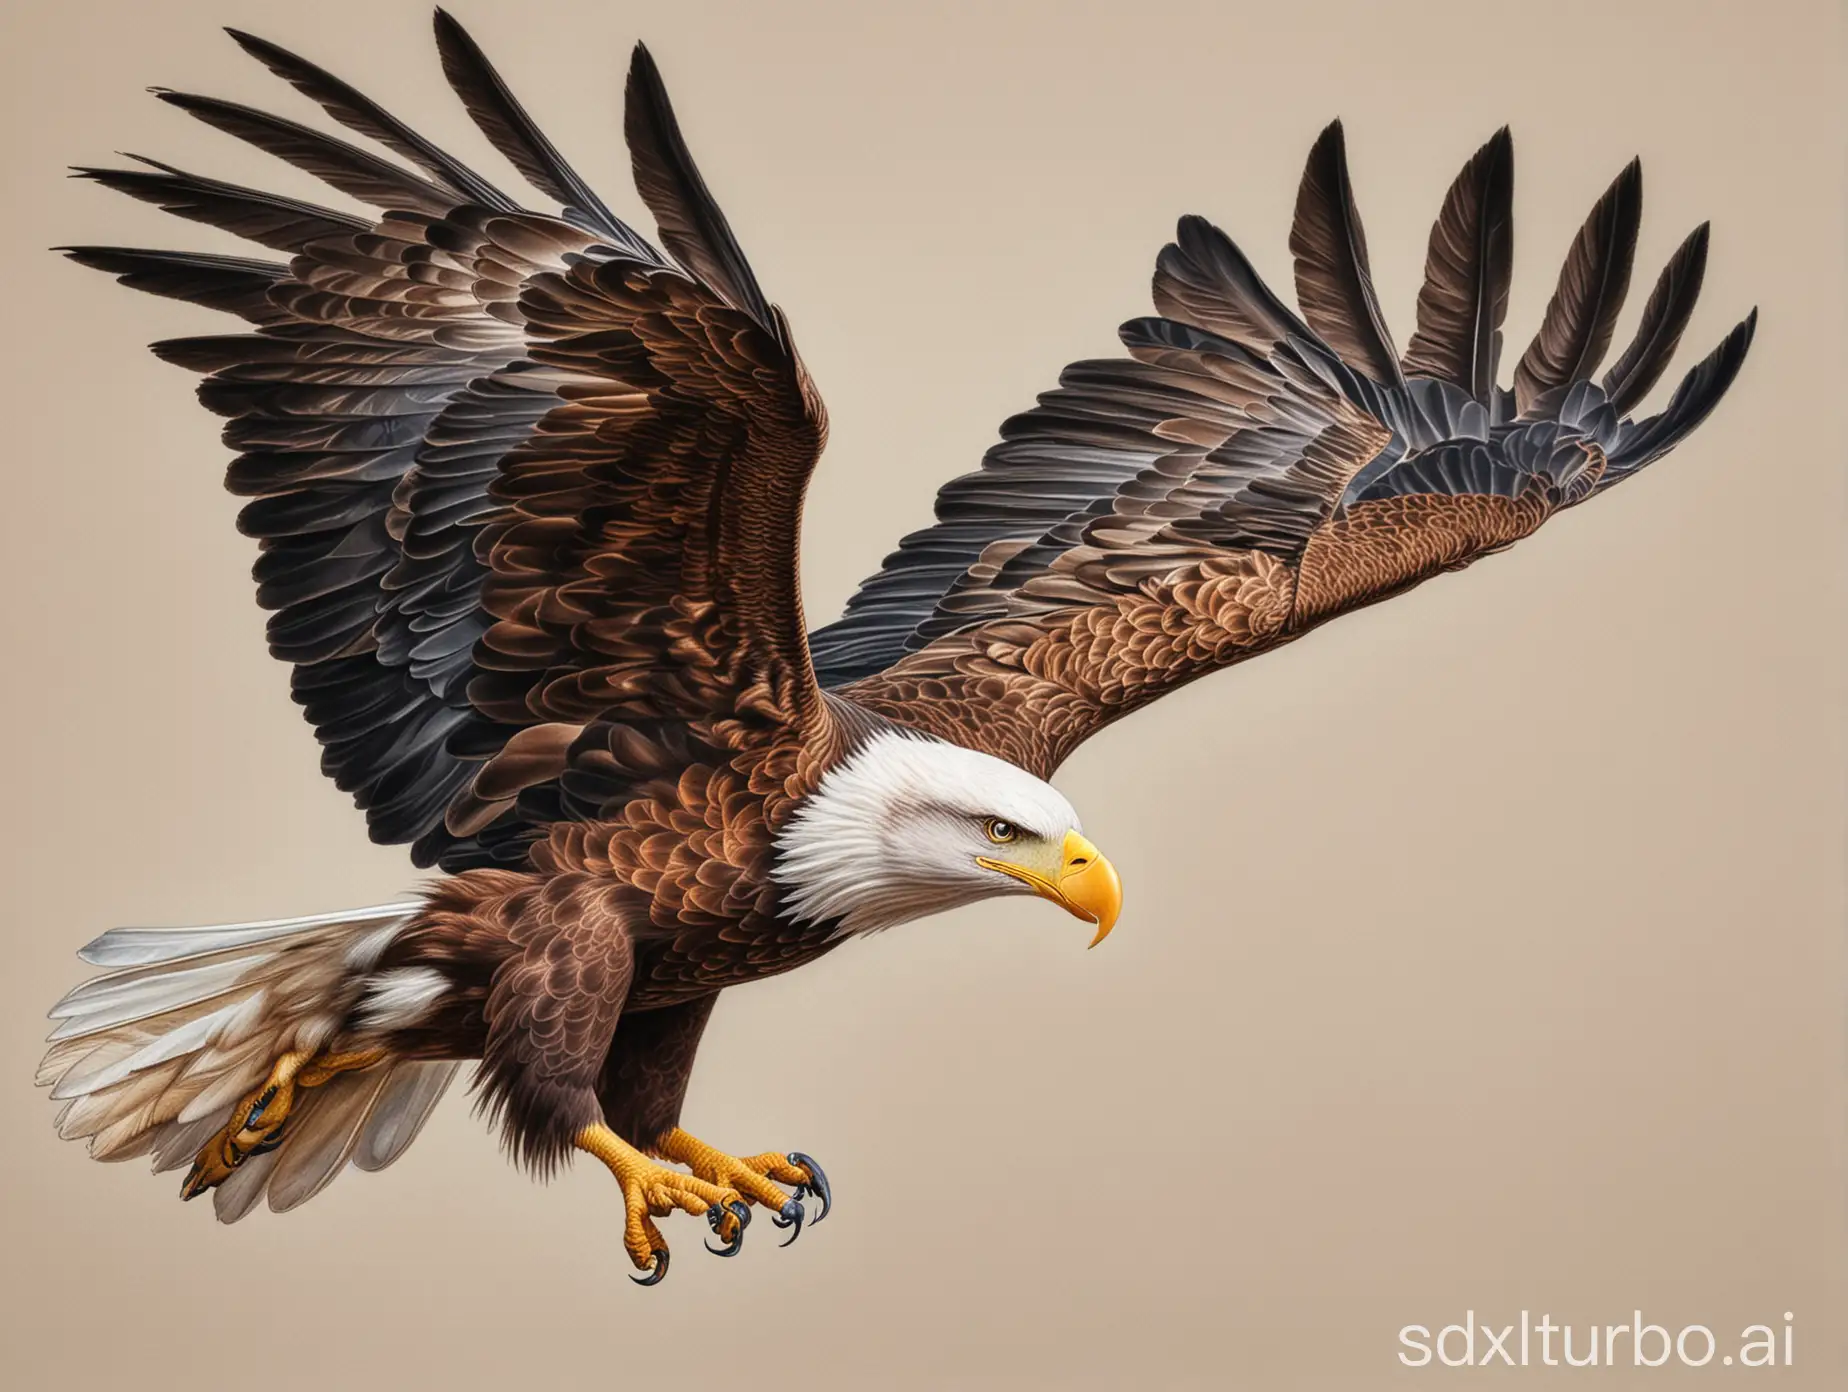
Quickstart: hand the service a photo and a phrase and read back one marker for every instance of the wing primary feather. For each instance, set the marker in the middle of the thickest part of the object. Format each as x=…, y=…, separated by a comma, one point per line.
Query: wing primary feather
x=1592, y=284
x=1334, y=284
x=690, y=223
x=343, y=166
x=271, y=220
x=1202, y=279
x=358, y=112
x=1665, y=319
x=233, y=284
x=1468, y=269
x=1694, y=399
x=504, y=121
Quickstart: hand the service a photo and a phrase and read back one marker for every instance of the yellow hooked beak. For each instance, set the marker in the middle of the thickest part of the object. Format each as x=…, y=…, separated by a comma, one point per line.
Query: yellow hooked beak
x=1084, y=885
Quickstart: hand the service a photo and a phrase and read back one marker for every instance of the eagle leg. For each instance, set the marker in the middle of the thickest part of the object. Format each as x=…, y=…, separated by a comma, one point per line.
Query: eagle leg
x=751, y=1176
x=650, y=1190
x=257, y=1122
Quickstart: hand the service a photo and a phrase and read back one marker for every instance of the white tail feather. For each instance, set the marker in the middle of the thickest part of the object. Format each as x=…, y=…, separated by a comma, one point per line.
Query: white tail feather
x=150, y=1057
x=244, y=1190
x=323, y=1140
x=177, y=1142
x=402, y=1110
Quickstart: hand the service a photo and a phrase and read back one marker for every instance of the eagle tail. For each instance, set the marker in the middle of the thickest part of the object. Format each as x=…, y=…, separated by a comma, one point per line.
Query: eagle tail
x=150, y=1057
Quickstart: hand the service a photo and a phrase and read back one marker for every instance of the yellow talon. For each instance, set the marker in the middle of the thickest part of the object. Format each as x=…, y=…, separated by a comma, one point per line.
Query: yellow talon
x=257, y=1122
x=751, y=1176
x=651, y=1190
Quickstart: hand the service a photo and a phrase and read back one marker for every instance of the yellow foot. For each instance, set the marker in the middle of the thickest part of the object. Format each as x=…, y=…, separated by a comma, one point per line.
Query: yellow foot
x=651, y=1190
x=257, y=1122
x=751, y=1176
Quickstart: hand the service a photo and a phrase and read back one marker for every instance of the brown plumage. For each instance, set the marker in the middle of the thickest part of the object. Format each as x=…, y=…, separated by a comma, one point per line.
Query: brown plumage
x=527, y=492
x=1467, y=273
x=1334, y=283
x=1592, y=284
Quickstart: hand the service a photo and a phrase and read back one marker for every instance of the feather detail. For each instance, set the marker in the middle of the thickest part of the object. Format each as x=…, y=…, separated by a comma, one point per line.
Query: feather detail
x=1468, y=268
x=149, y=1057
x=1665, y=319
x=358, y=112
x=1696, y=396
x=321, y=1138
x=177, y=1142
x=345, y=167
x=1592, y=284
x=404, y=1105
x=1334, y=285
x=282, y=224
x=1203, y=279
x=234, y=284
x=139, y=947
x=246, y=1187
x=505, y=122
x=689, y=221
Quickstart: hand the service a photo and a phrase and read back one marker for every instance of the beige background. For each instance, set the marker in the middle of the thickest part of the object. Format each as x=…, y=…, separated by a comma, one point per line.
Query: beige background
x=1482, y=952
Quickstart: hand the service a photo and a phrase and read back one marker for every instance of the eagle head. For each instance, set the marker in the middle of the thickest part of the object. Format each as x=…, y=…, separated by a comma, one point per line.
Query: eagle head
x=910, y=825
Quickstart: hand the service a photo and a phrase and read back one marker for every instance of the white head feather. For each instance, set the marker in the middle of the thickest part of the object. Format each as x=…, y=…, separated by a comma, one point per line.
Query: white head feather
x=894, y=832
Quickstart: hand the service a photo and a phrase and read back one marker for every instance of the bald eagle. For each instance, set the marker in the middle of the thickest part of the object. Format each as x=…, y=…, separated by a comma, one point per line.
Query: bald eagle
x=527, y=487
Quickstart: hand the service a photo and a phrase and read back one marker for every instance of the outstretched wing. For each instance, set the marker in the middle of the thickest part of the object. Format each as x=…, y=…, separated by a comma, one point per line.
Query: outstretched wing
x=518, y=478
x=1245, y=473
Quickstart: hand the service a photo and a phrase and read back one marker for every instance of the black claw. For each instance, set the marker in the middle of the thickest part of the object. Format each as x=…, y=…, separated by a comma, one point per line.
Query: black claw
x=657, y=1273
x=790, y=1217
x=715, y=1216
x=817, y=1184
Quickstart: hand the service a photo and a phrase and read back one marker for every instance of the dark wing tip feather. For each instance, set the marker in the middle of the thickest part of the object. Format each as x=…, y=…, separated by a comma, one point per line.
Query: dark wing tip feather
x=1330, y=148
x=1693, y=401
x=104, y=258
x=280, y=223
x=1665, y=319
x=249, y=42
x=235, y=284
x=500, y=116
x=1203, y=279
x=449, y=30
x=355, y=172
x=1592, y=285
x=1469, y=267
x=1334, y=283
x=358, y=112
x=692, y=227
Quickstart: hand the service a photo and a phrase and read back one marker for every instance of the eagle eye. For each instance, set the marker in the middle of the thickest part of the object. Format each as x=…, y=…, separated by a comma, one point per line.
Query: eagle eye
x=1000, y=832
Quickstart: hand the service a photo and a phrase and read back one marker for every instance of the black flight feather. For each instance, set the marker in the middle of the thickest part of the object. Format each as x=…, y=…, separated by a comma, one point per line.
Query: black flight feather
x=504, y=121
x=1592, y=284
x=1664, y=320
x=358, y=112
x=1468, y=268
x=335, y=162
x=1699, y=392
x=691, y=226
x=283, y=224
x=1334, y=286
x=1203, y=279
x=229, y=283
